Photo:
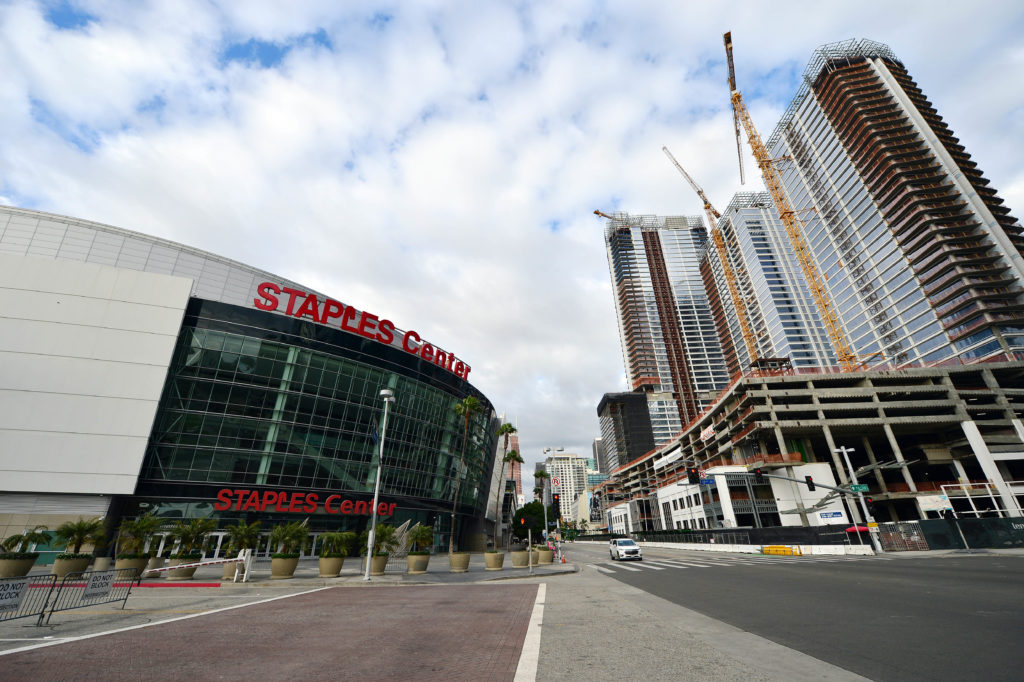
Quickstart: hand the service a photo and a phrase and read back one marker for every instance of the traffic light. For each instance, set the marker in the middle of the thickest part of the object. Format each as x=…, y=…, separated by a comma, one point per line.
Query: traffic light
x=556, y=510
x=810, y=484
x=759, y=476
x=870, y=504
x=693, y=475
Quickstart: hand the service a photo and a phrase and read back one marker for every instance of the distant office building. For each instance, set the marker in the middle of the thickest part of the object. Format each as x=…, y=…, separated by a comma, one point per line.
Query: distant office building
x=625, y=428
x=515, y=469
x=669, y=342
x=922, y=260
x=568, y=473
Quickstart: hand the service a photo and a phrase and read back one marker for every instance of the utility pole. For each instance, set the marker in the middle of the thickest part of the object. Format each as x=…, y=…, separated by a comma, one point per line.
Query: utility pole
x=845, y=452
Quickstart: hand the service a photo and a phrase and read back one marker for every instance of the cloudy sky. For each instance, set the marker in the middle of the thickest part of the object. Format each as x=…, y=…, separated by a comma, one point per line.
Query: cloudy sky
x=438, y=162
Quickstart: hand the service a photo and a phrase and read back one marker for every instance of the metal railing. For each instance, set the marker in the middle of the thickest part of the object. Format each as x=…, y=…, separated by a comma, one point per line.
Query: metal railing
x=34, y=595
x=89, y=588
x=25, y=596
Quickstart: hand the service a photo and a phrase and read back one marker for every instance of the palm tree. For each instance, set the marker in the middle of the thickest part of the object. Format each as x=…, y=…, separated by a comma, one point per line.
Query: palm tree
x=243, y=536
x=133, y=534
x=510, y=456
x=77, y=533
x=336, y=543
x=18, y=544
x=289, y=538
x=190, y=536
x=421, y=537
x=504, y=431
x=384, y=539
x=465, y=408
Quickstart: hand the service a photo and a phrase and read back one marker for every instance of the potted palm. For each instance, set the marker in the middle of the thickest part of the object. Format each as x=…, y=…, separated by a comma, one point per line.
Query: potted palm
x=15, y=559
x=333, y=550
x=189, y=536
x=288, y=538
x=76, y=534
x=419, y=557
x=132, y=536
x=384, y=543
x=240, y=536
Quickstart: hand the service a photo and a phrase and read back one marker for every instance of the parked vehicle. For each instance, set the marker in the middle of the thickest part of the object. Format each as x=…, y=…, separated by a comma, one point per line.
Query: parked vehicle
x=625, y=549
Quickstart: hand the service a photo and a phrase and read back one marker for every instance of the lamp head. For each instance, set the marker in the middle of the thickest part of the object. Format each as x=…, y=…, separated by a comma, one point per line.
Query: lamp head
x=387, y=393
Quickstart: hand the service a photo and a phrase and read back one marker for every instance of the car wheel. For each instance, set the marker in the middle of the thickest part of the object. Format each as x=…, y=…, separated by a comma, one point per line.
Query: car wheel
x=612, y=556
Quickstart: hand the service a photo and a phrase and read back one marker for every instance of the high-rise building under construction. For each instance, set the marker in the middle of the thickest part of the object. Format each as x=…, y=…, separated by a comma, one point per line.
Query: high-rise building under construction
x=922, y=260
x=669, y=342
x=780, y=310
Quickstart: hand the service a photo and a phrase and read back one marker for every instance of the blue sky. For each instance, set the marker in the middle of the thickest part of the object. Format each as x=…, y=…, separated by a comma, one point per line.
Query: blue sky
x=439, y=162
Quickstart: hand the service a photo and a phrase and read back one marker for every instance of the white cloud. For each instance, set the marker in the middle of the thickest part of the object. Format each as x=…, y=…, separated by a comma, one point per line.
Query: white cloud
x=439, y=164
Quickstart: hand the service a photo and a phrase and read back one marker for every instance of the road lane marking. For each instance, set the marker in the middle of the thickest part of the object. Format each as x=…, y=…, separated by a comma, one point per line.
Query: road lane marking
x=161, y=622
x=624, y=568
x=601, y=568
x=529, y=658
x=648, y=565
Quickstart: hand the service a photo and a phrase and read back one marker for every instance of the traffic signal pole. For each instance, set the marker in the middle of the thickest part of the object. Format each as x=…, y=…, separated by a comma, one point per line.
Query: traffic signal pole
x=842, y=491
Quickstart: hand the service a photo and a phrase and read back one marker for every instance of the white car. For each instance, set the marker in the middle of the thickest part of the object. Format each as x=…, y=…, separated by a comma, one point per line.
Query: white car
x=625, y=549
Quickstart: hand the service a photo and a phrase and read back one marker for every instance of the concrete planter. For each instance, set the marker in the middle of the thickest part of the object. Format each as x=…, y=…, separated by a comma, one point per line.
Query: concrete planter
x=282, y=569
x=102, y=563
x=458, y=562
x=157, y=562
x=15, y=568
x=136, y=565
x=330, y=567
x=378, y=564
x=417, y=563
x=229, y=571
x=182, y=573
x=494, y=561
x=547, y=556
x=64, y=566
x=520, y=558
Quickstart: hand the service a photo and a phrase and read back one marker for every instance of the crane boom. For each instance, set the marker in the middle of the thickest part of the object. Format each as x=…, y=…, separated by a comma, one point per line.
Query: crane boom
x=847, y=359
x=723, y=255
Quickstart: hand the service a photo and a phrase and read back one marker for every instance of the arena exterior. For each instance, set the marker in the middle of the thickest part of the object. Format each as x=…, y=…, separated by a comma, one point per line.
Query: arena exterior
x=138, y=375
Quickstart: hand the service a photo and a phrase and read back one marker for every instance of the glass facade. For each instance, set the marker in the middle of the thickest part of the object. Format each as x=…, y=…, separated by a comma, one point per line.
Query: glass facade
x=255, y=400
x=920, y=258
x=670, y=344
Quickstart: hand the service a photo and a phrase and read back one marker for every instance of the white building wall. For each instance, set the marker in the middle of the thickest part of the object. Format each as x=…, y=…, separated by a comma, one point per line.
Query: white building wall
x=84, y=352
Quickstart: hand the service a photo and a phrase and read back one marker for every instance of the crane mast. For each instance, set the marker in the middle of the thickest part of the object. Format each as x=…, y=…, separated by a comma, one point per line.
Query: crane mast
x=847, y=359
x=723, y=255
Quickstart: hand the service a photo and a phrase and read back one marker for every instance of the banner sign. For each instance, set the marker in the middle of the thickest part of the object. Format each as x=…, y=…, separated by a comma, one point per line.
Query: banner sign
x=11, y=592
x=99, y=585
x=244, y=499
x=302, y=304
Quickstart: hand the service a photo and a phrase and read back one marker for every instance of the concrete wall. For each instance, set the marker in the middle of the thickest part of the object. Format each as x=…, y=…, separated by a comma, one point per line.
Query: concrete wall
x=84, y=352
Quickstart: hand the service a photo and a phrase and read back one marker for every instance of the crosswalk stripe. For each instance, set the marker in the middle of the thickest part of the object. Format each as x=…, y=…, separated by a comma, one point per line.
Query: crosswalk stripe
x=626, y=568
x=647, y=564
x=601, y=568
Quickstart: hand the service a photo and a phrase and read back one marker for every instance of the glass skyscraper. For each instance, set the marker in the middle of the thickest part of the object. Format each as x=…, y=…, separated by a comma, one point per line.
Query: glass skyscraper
x=669, y=341
x=921, y=258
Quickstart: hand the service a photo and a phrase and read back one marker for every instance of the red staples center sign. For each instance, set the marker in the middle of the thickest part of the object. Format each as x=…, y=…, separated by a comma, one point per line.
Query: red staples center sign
x=244, y=499
x=302, y=304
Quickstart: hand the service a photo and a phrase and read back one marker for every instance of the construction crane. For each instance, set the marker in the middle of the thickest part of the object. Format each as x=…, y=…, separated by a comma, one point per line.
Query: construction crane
x=844, y=353
x=730, y=277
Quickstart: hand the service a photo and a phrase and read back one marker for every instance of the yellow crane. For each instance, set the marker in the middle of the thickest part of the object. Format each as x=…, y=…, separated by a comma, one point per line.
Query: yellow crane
x=844, y=353
x=730, y=276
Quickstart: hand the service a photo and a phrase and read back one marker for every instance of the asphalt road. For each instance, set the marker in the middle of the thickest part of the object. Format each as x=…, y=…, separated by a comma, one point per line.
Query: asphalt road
x=935, y=617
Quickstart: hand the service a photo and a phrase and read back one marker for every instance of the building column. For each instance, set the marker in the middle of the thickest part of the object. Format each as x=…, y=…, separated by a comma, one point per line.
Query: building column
x=988, y=466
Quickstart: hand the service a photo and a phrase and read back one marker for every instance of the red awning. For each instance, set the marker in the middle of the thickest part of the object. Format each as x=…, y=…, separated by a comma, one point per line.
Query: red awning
x=857, y=528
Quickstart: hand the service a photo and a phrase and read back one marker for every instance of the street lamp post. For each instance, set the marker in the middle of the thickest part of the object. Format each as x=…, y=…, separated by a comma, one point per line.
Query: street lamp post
x=389, y=397
x=868, y=518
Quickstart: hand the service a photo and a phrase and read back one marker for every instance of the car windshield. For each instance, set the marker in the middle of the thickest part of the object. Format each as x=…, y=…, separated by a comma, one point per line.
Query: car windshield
x=627, y=543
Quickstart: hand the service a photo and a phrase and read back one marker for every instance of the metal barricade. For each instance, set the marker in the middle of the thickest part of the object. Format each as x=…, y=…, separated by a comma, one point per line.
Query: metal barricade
x=25, y=596
x=89, y=588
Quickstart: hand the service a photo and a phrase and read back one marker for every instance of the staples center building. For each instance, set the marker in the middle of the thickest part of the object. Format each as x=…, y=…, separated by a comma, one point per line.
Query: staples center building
x=140, y=375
